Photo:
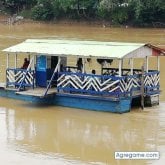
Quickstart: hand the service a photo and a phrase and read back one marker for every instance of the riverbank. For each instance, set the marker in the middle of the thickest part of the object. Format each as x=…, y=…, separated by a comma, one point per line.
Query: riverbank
x=7, y=19
x=4, y=19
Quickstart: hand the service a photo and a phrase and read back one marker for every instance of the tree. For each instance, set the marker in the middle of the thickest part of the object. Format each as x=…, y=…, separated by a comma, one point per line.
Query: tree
x=148, y=11
x=114, y=10
x=77, y=8
x=15, y=6
x=140, y=12
x=44, y=10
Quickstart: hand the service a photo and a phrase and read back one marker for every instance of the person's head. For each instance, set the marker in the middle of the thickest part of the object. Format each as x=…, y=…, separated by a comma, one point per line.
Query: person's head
x=93, y=71
x=79, y=61
x=25, y=59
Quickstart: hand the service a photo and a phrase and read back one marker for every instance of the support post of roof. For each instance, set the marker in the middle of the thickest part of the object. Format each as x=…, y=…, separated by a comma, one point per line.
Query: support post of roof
x=15, y=61
x=7, y=61
x=83, y=65
x=131, y=63
x=120, y=66
x=34, y=61
x=158, y=63
x=29, y=56
x=122, y=63
x=59, y=59
x=146, y=63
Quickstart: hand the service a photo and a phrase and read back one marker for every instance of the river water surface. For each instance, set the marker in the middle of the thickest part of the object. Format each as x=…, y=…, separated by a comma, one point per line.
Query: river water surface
x=35, y=135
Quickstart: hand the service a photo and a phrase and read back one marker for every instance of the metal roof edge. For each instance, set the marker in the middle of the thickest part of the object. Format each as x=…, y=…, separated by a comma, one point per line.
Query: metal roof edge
x=73, y=42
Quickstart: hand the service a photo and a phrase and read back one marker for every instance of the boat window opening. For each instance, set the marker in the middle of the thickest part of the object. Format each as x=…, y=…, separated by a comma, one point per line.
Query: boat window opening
x=54, y=61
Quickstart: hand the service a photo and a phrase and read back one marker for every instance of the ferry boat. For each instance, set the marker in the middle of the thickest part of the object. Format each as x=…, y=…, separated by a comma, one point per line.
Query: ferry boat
x=49, y=79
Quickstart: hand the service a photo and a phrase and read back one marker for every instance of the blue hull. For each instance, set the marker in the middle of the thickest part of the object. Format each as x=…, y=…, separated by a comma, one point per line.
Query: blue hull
x=75, y=101
x=92, y=103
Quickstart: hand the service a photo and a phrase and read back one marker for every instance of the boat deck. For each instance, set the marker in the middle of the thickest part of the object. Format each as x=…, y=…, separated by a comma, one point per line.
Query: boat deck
x=37, y=92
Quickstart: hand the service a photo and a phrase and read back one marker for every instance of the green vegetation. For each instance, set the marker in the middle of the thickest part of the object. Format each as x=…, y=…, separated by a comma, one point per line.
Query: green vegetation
x=137, y=12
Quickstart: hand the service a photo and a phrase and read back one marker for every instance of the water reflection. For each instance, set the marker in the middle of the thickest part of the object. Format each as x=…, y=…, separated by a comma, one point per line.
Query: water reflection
x=77, y=135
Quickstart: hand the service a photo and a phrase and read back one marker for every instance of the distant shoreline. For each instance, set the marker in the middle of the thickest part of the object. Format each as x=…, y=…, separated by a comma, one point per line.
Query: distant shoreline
x=4, y=19
x=102, y=23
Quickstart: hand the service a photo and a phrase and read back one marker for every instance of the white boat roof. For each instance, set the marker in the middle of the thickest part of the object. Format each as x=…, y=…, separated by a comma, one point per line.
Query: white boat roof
x=52, y=47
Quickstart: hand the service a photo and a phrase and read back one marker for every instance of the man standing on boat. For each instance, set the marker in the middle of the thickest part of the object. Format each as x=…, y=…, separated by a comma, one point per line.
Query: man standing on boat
x=79, y=64
x=25, y=64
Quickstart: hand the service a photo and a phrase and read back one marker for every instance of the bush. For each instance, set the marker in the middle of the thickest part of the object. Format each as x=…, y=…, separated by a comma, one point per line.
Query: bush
x=26, y=13
x=120, y=15
x=43, y=12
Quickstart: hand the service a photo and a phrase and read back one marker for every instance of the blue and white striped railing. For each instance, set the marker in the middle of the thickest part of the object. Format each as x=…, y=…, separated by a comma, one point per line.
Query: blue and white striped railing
x=95, y=84
x=151, y=82
x=89, y=84
x=14, y=77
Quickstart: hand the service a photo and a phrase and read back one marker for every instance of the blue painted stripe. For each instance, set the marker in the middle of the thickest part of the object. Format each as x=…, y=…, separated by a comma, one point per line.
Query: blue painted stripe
x=152, y=72
x=89, y=97
x=91, y=92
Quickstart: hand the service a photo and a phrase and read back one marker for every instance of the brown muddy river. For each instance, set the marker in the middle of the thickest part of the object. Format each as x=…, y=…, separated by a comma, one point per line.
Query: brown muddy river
x=49, y=135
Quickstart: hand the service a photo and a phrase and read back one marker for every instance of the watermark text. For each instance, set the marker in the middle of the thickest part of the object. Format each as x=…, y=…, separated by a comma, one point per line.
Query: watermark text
x=137, y=155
